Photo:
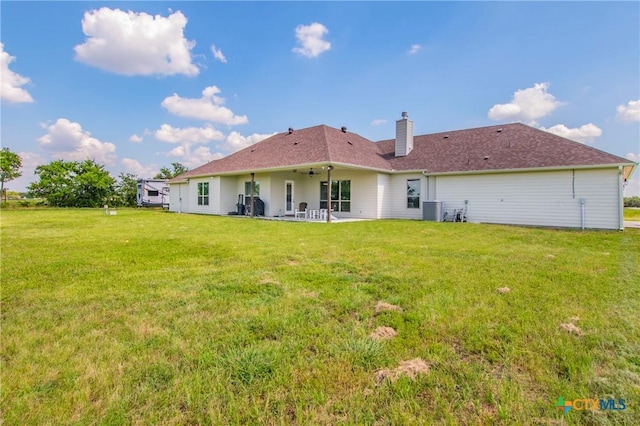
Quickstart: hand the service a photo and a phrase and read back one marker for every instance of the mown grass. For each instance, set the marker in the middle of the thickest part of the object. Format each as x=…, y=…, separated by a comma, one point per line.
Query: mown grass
x=150, y=317
x=632, y=213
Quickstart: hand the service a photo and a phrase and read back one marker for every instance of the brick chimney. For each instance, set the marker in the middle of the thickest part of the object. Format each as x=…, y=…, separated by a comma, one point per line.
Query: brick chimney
x=404, y=136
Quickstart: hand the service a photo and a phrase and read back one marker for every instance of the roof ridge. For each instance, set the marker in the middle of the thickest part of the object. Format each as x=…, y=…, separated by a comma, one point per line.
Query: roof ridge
x=326, y=142
x=458, y=130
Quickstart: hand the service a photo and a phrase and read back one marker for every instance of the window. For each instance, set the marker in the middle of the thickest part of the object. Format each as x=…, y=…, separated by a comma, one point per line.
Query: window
x=203, y=193
x=152, y=193
x=413, y=193
x=340, y=195
x=247, y=189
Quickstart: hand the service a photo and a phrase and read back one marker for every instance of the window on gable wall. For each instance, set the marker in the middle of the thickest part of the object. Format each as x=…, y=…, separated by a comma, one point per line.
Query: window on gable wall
x=203, y=193
x=413, y=193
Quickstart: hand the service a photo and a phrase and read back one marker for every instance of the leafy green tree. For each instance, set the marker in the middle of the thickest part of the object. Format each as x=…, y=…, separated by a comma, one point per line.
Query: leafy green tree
x=632, y=201
x=73, y=184
x=127, y=189
x=166, y=173
x=10, y=164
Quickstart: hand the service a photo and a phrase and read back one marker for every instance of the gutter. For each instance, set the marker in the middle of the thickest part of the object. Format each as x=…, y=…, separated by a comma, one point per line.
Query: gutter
x=530, y=169
x=621, y=179
x=628, y=169
x=284, y=169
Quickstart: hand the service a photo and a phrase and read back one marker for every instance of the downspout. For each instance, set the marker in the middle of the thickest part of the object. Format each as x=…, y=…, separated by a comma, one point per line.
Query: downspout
x=620, y=200
x=582, y=212
x=329, y=193
x=253, y=175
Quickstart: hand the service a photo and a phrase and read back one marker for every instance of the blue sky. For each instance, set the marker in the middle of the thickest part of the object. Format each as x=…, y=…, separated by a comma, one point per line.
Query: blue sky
x=139, y=85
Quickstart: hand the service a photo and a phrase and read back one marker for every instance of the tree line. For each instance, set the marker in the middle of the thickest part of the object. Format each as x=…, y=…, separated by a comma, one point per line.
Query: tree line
x=78, y=183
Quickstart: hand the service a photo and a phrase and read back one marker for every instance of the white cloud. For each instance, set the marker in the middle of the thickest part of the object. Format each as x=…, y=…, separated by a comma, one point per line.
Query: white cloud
x=133, y=43
x=135, y=138
x=583, y=134
x=527, y=104
x=633, y=157
x=10, y=81
x=194, y=158
x=629, y=112
x=217, y=53
x=133, y=166
x=67, y=140
x=310, y=39
x=187, y=135
x=235, y=141
x=378, y=122
x=208, y=107
x=415, y=48
x=187, y=140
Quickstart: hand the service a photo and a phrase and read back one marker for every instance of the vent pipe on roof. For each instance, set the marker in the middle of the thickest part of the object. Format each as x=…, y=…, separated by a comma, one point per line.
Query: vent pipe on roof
x=290, y=130
x=404, y=136
x=344, y=129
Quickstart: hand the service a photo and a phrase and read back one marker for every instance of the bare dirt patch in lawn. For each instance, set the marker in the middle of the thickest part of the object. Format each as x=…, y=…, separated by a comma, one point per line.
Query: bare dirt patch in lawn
x=383, y=333
x=411, y=369
x=571, y=327
x=384, y=306
x=503, y=290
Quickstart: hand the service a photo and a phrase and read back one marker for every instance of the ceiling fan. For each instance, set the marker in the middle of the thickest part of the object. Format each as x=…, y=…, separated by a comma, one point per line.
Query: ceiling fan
x=311, y=173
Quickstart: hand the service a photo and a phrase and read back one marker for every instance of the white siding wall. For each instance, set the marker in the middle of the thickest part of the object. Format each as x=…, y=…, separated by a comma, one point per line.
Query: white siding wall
x=536, y=198
x=276, y=202
x=364, y=193
x=601, y=190
x=307, y=190
x=179, y=201
x=228, y=195
x=398, y=196
x=384, y=198
x=430, y=184
x=193, y=195
x=265, y=190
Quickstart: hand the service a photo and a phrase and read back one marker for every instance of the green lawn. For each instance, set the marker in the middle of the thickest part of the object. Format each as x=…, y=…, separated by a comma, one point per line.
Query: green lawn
x=632, y=213
x=149, y=317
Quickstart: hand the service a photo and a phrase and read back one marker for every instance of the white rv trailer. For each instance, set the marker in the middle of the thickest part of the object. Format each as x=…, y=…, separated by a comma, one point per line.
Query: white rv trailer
x=153, y=193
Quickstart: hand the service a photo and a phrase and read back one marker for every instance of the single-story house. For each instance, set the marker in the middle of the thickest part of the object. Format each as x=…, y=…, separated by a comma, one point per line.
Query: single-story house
x=508, y=174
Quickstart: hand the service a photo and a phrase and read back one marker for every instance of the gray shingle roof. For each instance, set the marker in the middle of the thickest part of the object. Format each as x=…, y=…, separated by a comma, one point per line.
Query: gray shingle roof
x=504, y=147
x=510, y=146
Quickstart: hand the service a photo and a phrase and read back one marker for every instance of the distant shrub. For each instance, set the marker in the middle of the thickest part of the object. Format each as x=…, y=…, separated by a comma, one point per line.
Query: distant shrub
x=632, y=201
x=24, y=203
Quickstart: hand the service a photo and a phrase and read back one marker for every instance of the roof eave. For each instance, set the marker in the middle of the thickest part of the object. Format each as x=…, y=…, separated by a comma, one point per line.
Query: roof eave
x=283, y=168
x=529, y=169
x=628, y=170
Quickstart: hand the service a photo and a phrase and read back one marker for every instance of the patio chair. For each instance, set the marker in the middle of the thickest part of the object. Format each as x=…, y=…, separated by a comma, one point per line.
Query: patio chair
x=301, y=211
